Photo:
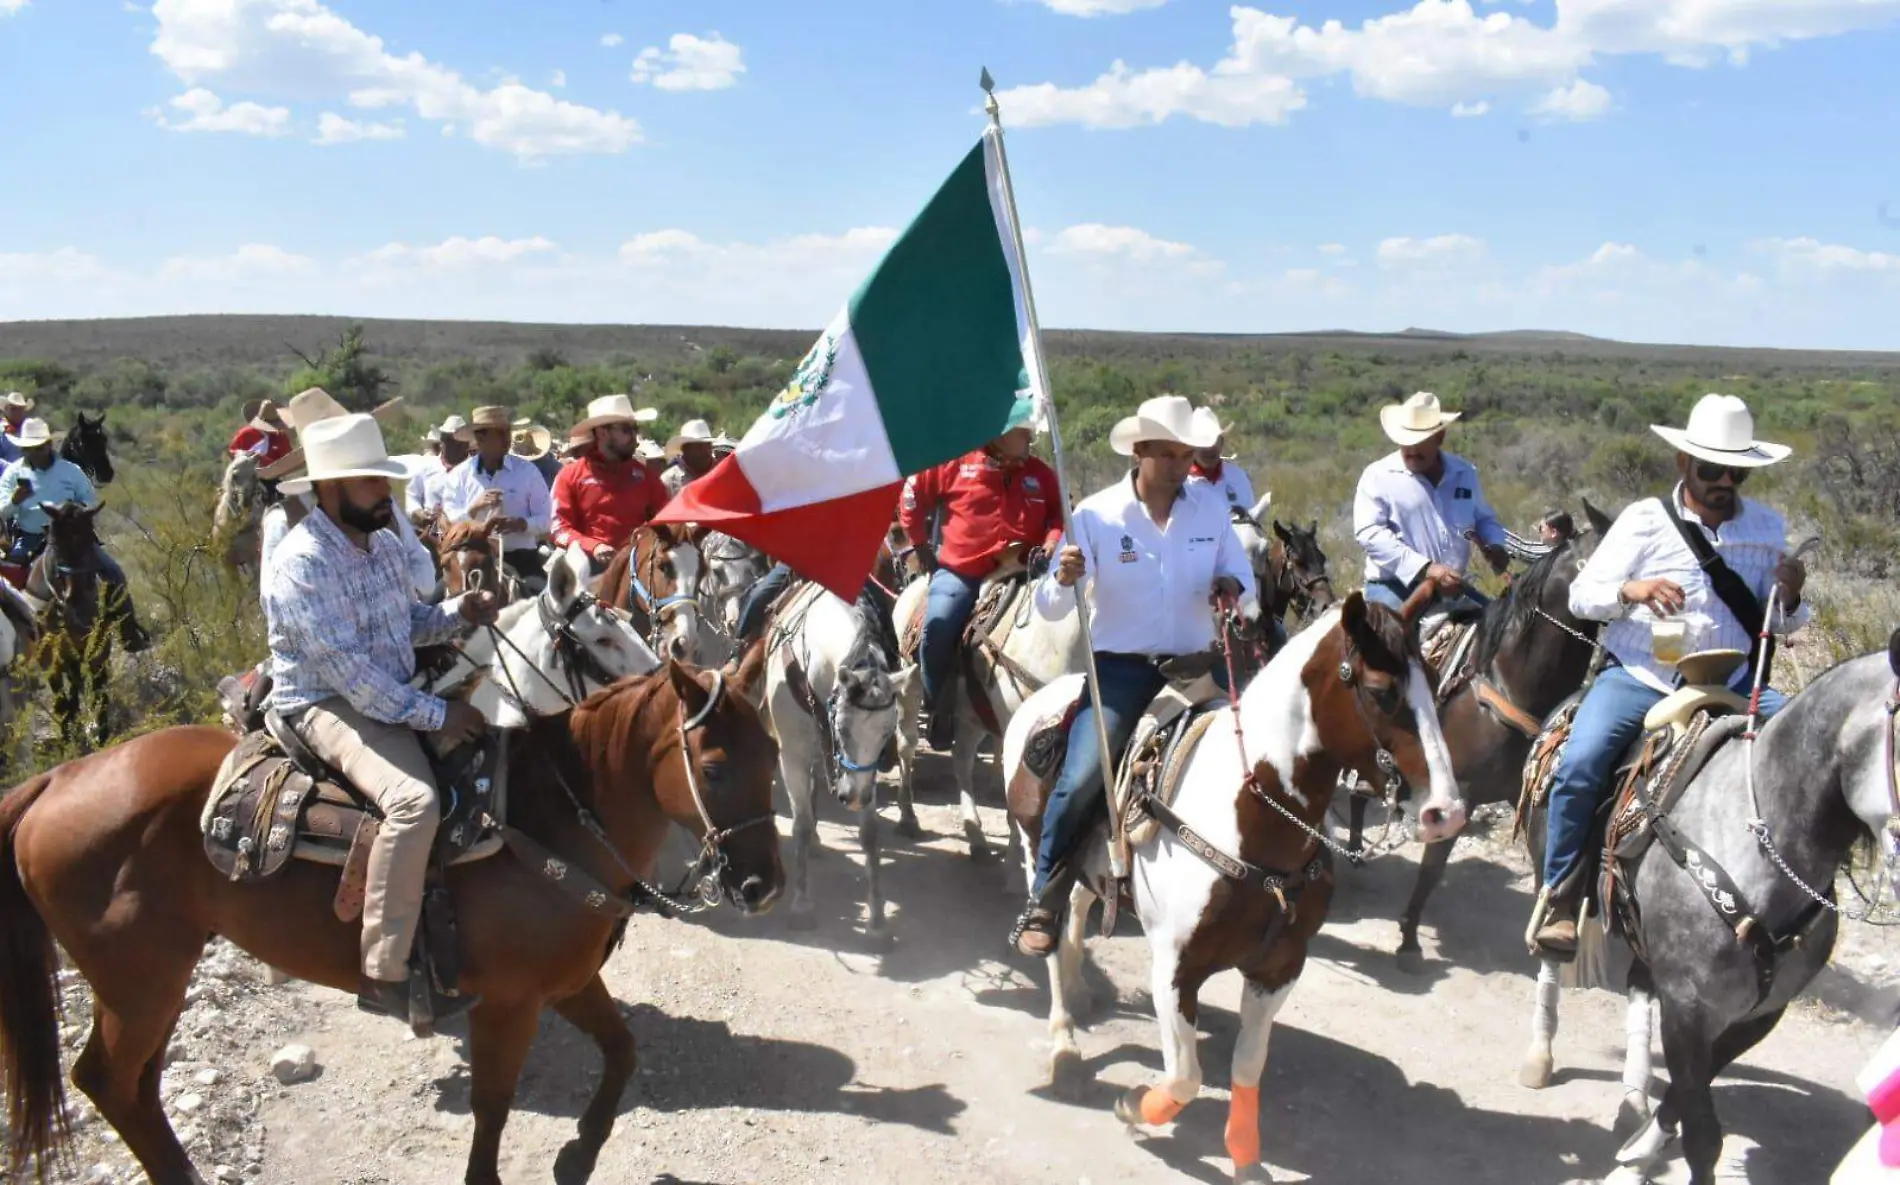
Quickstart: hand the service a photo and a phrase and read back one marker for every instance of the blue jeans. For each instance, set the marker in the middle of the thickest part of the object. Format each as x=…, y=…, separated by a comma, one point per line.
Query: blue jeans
x=1129, y=684
x=1392, y=594
x=1610, y=717
x=27, y=547
x=758, y=602
x=946, y=612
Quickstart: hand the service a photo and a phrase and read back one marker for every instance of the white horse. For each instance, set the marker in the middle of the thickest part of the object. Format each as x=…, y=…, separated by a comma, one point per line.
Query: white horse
x=731, y=568
x=833, y=705
x=1348, y=692
x=1042, y=649
x=559, y=647
x=235, y=523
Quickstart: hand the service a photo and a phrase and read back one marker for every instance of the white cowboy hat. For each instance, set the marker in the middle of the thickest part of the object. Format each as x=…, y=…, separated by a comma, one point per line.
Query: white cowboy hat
x=691, y=432
x=647, y=450
x=1418, y=419
x=14, y=401
x=612, y=409
x=445, y=429
x=724, y=443
x=346, y=446
x=1168, y=418
x=33, y=433
x=1722, y=430
x=485, y=417
x=309, y=407
x=532, y=442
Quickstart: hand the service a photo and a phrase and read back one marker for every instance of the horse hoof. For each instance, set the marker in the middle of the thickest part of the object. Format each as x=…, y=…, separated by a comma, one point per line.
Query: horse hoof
x=1632, y=1113
x=1128, y=1108
x=909, y=827
x=1068, y=1075
x=1535, y=1072
x=1411, y=960
x=1253, y=1174
x=802, y=919
x=1647, y=1146
x=880, y=937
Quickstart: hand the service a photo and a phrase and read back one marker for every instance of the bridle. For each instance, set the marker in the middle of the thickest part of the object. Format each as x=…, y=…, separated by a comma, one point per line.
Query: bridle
x=657, y=610
x=476, y=577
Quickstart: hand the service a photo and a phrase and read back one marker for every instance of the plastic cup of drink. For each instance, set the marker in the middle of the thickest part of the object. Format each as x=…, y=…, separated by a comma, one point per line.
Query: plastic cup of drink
x=1669, y=641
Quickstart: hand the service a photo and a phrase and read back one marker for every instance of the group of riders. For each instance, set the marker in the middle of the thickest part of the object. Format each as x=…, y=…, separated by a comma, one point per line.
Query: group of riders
x=347, y=587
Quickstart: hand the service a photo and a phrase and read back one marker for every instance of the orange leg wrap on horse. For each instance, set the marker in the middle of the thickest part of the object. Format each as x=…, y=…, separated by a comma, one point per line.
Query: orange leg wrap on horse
x=1158, y=1107
x=1243, y=1126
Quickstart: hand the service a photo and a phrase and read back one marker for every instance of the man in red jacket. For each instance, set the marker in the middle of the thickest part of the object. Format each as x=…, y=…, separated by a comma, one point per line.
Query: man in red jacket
x=993, y=499
x=264, y=433
x=604, y=495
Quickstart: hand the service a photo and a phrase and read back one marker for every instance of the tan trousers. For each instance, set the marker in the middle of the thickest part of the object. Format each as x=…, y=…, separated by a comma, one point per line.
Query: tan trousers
x=385, y=762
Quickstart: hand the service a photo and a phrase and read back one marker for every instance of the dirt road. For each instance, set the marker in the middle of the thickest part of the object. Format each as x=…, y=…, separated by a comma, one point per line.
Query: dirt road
x=769, y=1055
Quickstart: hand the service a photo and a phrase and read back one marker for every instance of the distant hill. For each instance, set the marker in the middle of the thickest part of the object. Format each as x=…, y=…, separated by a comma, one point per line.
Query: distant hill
x=268, y=341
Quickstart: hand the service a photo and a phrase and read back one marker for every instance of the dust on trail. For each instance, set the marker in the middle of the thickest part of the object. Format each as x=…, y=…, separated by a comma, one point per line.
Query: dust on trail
x=768, y=1055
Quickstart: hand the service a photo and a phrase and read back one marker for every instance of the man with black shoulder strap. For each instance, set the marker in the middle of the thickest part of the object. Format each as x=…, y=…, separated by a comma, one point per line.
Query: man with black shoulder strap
x=1701, y=560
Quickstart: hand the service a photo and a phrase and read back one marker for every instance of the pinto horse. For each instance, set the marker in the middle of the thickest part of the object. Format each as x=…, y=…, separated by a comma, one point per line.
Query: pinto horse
x=1348, y=692
x=104, y=855
x=655, y=577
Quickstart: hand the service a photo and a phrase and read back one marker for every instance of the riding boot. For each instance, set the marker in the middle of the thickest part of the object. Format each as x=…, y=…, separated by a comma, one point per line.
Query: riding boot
x=1036, y=933
x=415, y=1000
x=1558, y=935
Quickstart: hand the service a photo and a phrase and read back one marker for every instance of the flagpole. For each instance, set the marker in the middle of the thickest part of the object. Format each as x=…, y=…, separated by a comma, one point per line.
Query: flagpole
x=1117, y=853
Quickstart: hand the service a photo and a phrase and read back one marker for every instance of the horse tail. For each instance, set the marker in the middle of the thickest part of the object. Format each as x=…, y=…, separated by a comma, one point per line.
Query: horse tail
x=29, y=1010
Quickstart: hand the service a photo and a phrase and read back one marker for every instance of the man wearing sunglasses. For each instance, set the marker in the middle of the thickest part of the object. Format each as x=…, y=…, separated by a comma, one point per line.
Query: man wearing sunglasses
x=1702, y=555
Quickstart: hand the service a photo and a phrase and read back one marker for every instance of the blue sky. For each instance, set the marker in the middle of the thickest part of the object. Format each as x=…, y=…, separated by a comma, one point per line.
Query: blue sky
x=1718, y=171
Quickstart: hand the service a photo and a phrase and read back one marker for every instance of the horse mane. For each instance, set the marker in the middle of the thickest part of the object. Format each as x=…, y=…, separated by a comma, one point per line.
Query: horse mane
x=458, y=534
x=231, y=498
x=1518, y=606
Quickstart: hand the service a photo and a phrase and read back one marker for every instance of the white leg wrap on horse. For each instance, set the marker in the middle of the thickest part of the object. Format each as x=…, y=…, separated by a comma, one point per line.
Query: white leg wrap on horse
x=1538, y=1061
x=1636, y=1054
x=1647, y=1145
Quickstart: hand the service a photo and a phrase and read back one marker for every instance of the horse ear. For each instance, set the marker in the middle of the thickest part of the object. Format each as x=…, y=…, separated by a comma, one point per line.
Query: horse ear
x=563, y=582
x=1259, y=510
x=1312, y=528
x=1353, y=612
x=1284, y=535
x=92, y=512
x=692, y=696
x=1599, y=521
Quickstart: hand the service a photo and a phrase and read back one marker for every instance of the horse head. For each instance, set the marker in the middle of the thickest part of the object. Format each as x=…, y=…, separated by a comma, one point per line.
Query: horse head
x=666, y=571
x=1372, y=707
x=470, y=558
x=710, y=762
x=1302, y=572
x=863, y=714
x=87, y=447
x=733, y=566
x=71, y=561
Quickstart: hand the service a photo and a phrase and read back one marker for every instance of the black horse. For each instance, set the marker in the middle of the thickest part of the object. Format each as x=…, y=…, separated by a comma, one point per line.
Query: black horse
x=86, y=446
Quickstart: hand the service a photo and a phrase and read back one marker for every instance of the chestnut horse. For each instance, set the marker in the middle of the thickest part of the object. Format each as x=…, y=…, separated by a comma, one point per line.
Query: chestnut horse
x=655, y=577
x=1240, y=875
x=470, y=558
x=105, y=856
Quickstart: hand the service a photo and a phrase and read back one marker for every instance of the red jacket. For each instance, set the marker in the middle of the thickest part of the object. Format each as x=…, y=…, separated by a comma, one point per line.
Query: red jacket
x=988, y=506
x=600, y=502
x=277, y=448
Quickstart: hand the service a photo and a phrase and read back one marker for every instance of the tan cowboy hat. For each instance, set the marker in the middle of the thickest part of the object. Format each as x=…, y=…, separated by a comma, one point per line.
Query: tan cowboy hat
x=691, y=432
x=1167, y=418
x=485, y=417
x=1418, y=419
x=308, y=407
x=612, y=409
x=268, y=420
x=1721, y=429
x=1208, y=420
x=33, y=433
x=343, y=447
x=532, y=442
x=647, y=450
x=14, y=401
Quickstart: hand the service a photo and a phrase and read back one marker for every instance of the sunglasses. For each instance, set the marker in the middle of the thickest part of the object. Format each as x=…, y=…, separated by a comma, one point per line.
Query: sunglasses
x=1708, y=472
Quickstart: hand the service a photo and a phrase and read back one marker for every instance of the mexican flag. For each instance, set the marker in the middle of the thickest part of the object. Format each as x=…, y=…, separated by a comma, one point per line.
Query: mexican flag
x=923, y=364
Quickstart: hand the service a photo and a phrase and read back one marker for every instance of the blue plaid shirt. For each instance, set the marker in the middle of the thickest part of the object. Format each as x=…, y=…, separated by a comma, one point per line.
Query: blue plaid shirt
x=344, y=622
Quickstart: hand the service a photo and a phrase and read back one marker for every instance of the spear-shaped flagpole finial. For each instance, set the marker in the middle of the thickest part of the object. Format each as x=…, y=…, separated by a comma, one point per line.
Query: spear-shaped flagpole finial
x=989, y=94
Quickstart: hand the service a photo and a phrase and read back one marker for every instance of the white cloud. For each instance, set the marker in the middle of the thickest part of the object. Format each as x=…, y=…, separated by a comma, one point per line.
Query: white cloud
x=558, y=79
x=1439, y=250
x=459, y=252
x=1812, y=253
x=301, y=50
x=1470, y=110
x=1438, y=53
x=1099, y=7
x=610, y=40
x=203, y=111
x=690, y=63
x=1331, y=248
x=251, y=262
x=334, y=129
x=9, y=7
x=1581, y=100
x=1127, y=242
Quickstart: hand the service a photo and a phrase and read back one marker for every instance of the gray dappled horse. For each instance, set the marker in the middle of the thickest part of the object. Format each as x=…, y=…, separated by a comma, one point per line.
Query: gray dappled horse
x=1823, y=778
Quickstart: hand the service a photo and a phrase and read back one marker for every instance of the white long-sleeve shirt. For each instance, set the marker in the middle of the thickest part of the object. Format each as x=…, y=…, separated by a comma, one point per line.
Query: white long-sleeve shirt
x=1643, y=545
x=1406, y=523
x=1149, y=585
x=1233, y=484
x=524, y=495
x=425, y=488
x=416, y=557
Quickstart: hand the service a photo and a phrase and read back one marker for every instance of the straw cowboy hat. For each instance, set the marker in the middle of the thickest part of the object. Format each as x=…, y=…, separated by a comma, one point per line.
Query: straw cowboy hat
x=33, y=433
x=485, y=417
x=268, y=420
x=1721, y=429
x=309, y=407
x=14, y=401
x=532, y=442
x=343, y=447
x=612, y=409
x=1416, y=420
x=691, y=432
x=1168, y=418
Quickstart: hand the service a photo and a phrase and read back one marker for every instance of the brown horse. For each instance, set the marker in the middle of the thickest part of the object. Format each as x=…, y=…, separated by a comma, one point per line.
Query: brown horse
x=104, y=855
x=655, y=577
x=75, y=645
x=470, y=558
